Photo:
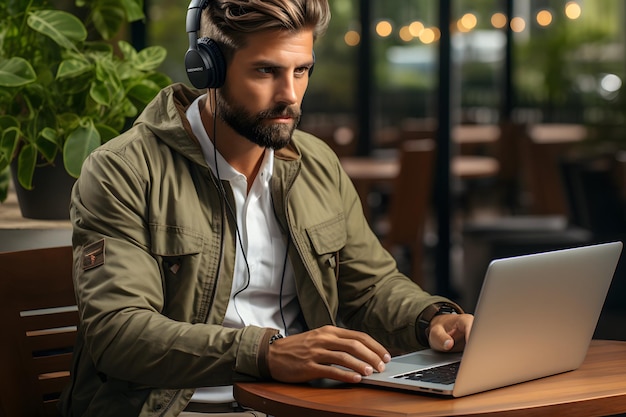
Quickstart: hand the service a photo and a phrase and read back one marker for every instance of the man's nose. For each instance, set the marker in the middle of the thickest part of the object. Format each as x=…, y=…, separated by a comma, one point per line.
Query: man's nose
x=286, y=90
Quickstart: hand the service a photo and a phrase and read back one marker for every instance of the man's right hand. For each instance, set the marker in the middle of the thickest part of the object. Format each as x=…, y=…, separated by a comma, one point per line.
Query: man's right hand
x=310, y=355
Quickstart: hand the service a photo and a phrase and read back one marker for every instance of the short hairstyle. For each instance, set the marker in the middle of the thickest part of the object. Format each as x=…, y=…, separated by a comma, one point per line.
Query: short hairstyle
x=230, y=22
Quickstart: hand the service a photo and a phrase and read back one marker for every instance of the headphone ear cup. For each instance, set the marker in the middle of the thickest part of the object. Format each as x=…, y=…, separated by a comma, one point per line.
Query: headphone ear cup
x=206, y=67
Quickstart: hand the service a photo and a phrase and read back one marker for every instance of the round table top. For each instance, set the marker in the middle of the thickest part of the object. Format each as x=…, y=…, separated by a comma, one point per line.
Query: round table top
x=597, y=388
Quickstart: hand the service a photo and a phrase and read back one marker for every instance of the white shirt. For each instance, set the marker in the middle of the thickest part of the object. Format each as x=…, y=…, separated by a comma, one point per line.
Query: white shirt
x=260, y=295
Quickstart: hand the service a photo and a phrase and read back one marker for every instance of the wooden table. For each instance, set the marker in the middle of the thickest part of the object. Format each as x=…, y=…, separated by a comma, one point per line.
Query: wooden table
x=365, y=172
x=386, y=169
x=20, y=233
x=597, y=388
x=475, y=138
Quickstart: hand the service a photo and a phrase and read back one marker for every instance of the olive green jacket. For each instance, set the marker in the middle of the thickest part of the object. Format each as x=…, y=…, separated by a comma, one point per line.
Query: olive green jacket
x=154, y=256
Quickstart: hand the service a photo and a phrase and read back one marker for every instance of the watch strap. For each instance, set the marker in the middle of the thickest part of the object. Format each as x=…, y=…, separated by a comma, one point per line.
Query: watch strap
x=433, y=310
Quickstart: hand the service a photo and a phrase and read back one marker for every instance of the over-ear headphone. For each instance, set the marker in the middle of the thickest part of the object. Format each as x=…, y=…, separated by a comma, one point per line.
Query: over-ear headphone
x=204, y=62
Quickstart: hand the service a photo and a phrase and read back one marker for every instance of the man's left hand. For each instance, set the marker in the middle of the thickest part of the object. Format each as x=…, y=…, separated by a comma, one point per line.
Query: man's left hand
x=449, y=332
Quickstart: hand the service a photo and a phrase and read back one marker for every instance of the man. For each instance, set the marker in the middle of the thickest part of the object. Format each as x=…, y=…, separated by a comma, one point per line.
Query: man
x=213, y=228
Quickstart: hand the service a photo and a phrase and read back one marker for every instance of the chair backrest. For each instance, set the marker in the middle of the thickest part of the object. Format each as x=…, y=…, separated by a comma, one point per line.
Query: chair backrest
x=410, y=201
x=39, y=314
x=543, y=146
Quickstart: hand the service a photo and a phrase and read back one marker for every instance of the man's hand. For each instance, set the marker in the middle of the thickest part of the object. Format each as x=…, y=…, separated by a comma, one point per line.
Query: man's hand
x=449, y=332
x=308, y=356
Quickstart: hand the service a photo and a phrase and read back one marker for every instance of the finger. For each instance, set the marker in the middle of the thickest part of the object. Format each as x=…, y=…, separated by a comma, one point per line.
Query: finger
x=338, y=374
x=439, y=339
x=349, y=362
x=366, y=340
x=450, y=332
x=362, y=349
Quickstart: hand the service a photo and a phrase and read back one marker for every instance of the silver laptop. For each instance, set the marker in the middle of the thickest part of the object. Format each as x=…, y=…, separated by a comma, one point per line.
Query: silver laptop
x=535, y=317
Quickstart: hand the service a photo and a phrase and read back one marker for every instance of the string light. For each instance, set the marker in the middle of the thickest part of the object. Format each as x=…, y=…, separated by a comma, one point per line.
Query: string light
x=416, y=28
x=498, y=20
x=352, y=38
x=573, y=10
x=544, y=18
x=384, y=28
x=518, y=24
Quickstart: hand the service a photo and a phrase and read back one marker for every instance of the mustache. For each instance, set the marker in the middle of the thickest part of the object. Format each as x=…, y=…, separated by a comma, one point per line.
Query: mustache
x=282, y=111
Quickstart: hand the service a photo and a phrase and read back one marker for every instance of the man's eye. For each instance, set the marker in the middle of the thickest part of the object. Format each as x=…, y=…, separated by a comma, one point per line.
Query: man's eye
x=301, y=70
x=266, y=70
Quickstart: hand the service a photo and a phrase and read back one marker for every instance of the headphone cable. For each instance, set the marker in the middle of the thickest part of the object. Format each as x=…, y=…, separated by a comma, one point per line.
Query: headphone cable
x=223, y=191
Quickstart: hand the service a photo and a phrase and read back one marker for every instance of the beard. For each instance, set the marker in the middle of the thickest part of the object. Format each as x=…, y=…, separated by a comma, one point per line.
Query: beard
x=252, y=127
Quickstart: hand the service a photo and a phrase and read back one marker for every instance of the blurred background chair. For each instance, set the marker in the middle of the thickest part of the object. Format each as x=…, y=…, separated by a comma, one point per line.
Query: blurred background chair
x=410, y=203
x=39, y=316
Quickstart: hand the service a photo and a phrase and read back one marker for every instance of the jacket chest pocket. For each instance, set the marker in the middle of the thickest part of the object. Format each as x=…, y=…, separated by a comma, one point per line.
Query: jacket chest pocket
x=327, y=239
x=178, y=250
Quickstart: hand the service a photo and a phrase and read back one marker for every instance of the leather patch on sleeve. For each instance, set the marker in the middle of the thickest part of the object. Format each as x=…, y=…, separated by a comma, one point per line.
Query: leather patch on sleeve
x=93, y=255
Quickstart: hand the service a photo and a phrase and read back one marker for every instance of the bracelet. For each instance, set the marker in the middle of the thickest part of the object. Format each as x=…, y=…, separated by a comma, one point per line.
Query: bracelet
x=275, y=338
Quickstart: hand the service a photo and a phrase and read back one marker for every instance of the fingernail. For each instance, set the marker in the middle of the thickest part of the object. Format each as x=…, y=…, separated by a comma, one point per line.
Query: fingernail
x=356, y=378
x=369, y=370
x=387, y=358
x=381, y=367
x=447, y=344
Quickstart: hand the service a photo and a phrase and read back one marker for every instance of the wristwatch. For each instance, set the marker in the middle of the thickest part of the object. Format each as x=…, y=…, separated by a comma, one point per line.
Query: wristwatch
x=424, y=319
x=275, y=337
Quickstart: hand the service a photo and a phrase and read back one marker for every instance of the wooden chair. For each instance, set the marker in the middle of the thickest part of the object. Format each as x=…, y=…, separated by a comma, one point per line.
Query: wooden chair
x=39, y=315
x=410, y=200
x=543, y=147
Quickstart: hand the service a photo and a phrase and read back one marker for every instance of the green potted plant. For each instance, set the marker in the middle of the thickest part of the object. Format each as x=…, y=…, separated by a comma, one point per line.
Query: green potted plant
x=65, y=86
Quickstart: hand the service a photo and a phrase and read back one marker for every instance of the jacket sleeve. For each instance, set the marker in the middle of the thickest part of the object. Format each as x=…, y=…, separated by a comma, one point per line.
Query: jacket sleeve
x=121, y=295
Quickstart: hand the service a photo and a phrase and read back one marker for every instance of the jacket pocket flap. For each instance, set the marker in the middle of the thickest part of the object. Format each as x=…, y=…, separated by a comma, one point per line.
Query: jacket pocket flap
x=328, y=237
x=175, y=240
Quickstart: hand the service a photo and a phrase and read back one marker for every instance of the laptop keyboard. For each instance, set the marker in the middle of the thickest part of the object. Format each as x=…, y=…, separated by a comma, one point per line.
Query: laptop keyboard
x=443, y=374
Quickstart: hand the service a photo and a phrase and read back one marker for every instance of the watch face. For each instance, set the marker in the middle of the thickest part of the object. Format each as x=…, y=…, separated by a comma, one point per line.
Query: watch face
x=446, y=309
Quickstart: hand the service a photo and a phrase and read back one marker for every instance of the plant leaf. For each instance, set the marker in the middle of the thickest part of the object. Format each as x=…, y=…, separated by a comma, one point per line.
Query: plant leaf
x=15, y=72
x=106, y=132
x=4, y=181
x=70, y=68
x=148, y=59
x=9, y=138
x=107, y=88
x=160, y=79
x=62, y=27
x=134, y=9
x=144, y=91
x=7, y=122
x=108, y=17
x=47, y=143
x=26, y=162
x=129, y=52
x=9, y=142
x=79, y=144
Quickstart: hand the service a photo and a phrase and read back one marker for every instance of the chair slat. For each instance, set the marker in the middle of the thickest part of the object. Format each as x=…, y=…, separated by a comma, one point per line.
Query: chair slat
x=52, y=363
x=52, y=342
x=49, y=321
x=54, y=385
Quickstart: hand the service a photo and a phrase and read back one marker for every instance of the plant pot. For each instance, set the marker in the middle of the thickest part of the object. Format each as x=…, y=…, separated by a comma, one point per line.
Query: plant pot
x=50, y=197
